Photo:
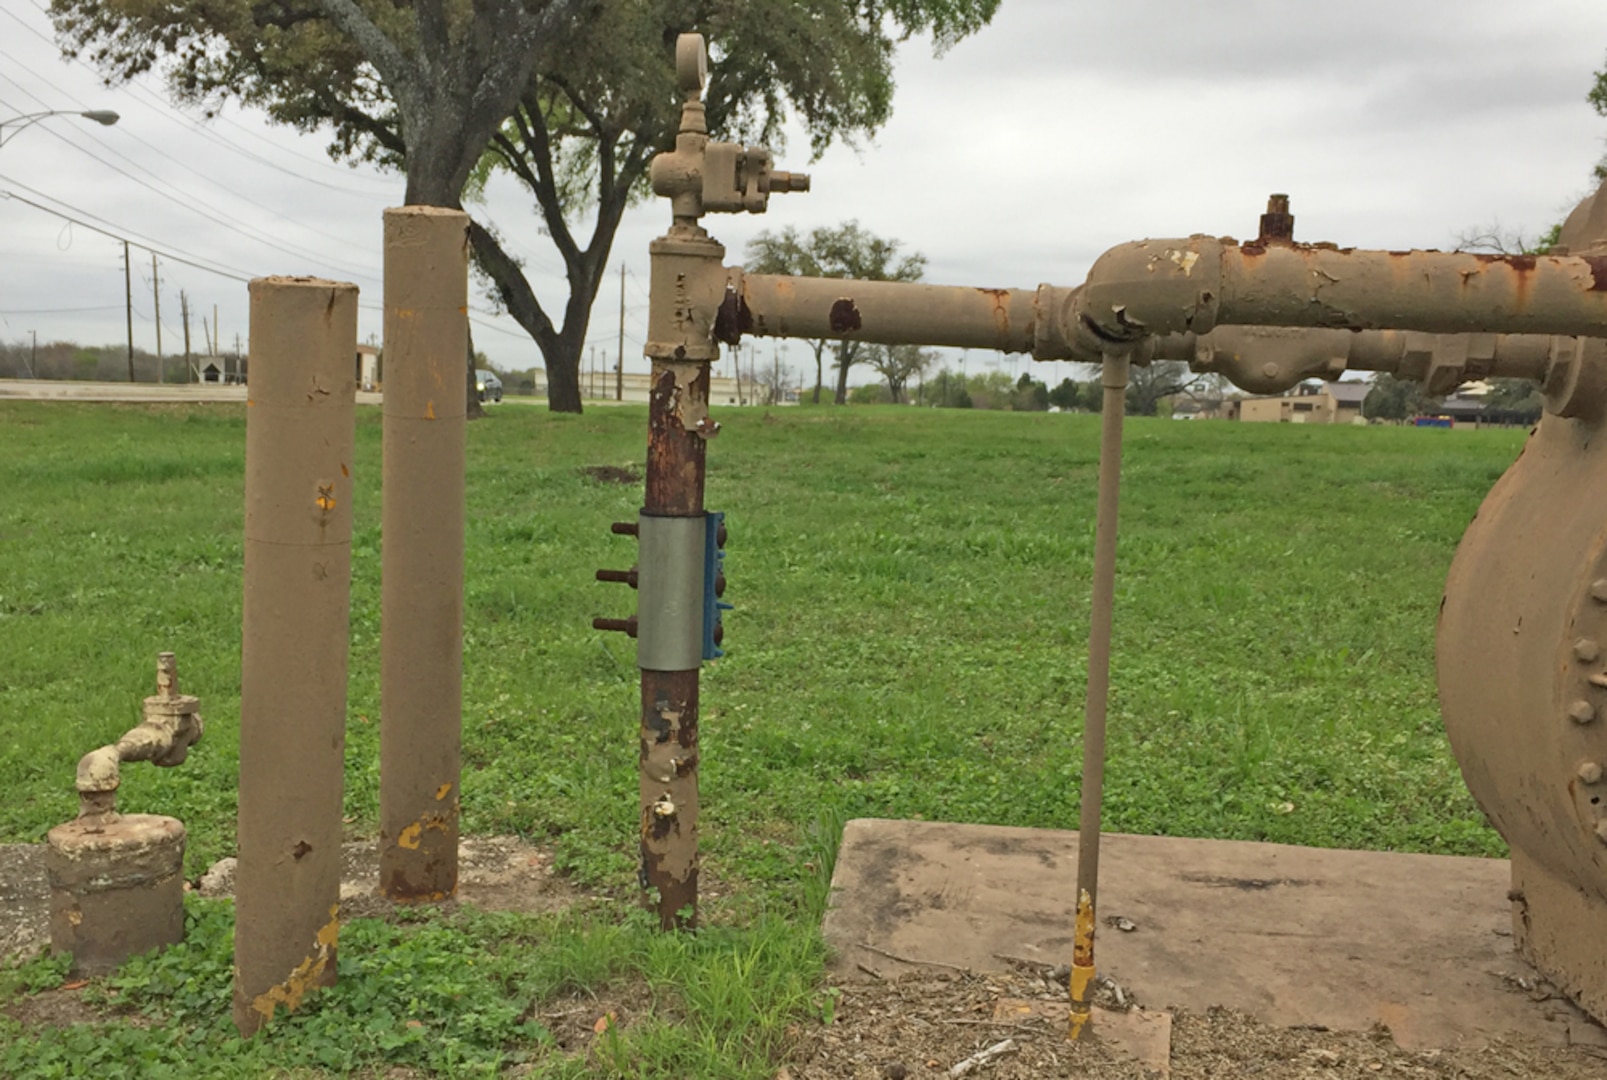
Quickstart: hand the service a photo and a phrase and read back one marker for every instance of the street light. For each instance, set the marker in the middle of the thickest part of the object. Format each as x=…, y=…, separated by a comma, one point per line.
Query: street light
x=26, y=120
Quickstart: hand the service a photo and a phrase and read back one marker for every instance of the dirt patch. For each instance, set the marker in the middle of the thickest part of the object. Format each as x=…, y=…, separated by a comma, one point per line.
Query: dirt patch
x=921, y=1025
x=64, y=1007
x=610, y=474
x=24, y=896
x=495, y=873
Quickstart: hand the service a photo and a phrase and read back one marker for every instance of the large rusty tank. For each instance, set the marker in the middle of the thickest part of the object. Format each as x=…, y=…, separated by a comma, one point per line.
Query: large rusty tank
x=1522, y=658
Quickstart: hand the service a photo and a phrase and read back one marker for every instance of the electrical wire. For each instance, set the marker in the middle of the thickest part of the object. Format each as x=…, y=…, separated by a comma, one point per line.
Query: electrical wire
x=133, y=238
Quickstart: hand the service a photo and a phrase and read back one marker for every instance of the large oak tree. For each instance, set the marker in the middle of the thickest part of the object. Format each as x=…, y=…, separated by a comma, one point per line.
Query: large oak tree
x=574, y=107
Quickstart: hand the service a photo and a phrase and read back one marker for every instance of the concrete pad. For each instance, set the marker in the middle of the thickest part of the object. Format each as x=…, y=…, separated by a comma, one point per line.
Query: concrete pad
x=1293, y=936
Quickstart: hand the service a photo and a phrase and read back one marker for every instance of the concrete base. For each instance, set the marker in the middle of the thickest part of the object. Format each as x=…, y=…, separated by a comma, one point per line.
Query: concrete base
x=1294, y=936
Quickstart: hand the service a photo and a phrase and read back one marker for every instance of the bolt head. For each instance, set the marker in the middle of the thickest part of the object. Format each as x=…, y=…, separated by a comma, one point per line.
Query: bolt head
x=1587, y=650
x=1582, y=712
x=1590, y=773
x=1598, y=590
x=1601, y=831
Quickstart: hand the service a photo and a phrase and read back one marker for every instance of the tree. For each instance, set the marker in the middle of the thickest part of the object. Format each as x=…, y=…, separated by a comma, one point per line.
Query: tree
x=898, y=364
x=1030, y=395
x=847, y=251
x=1395, y=399
x=1065, y=396
x=1149, y=383
x=421, y=88
x=1517, y=399
x=581, y=115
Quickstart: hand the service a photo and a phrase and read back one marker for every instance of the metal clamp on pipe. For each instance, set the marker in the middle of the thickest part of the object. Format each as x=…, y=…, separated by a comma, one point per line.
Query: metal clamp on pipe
x=670, y=574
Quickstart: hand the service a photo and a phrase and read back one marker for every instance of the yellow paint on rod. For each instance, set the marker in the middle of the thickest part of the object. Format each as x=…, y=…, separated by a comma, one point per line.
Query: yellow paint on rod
x=1082, y=967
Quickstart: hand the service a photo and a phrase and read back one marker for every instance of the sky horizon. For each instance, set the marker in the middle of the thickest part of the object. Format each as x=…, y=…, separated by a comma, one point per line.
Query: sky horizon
x=1013, y=160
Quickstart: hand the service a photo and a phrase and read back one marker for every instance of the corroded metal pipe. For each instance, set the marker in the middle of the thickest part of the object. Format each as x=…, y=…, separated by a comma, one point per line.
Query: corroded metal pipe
x=300, y=434
x=1114, y=380
x=421, y=642
x=678, y=429
x=886, y=312
x=1271, y=359
x=117, y=880
x=1153, y=288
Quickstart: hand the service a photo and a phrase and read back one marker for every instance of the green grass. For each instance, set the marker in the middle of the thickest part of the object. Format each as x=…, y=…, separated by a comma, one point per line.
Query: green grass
x=911, y=591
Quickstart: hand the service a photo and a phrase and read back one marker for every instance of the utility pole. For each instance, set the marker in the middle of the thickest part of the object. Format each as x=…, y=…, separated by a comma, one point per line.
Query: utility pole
x=33, y=357
x=619, y=372
x=217, y=338
x=184, y=310
x=237, y=365
x=591, y=382
x=128, y=301
x=156, y=295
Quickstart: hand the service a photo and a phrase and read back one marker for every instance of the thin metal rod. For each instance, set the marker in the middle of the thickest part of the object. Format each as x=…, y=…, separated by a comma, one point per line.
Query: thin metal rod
x=1093, y=753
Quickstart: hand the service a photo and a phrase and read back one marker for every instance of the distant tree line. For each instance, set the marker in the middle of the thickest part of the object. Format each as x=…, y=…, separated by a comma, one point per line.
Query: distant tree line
x=86, y=363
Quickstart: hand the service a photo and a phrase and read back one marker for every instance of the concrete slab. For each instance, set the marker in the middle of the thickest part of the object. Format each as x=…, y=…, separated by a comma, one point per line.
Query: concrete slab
x=1294, y=936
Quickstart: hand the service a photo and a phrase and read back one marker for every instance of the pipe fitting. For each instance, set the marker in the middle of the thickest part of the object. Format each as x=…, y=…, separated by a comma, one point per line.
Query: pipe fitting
x=171, y=726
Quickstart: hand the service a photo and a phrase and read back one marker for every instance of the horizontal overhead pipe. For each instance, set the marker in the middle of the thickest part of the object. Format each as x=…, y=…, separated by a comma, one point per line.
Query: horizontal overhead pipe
x=1170, y=287
x=1272, y=359
x=884, y=312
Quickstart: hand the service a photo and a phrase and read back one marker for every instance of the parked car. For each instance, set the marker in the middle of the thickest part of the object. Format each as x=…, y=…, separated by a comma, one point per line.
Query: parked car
x=489, y=386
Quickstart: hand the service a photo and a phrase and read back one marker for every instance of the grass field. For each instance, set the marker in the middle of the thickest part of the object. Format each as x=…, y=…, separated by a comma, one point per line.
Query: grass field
x=911, y=591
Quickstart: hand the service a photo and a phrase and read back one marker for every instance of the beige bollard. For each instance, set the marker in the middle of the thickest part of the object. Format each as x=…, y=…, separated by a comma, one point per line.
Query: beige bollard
x=421, y=641
x=300, y=434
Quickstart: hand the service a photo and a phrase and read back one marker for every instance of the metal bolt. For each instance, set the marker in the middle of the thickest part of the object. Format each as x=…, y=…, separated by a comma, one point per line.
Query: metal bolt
x=1586, y=650
x=623, y=528
x=1582, y=712
x=623, y=626
x=1590, y=773
x=621, y=577
x=1598, y=590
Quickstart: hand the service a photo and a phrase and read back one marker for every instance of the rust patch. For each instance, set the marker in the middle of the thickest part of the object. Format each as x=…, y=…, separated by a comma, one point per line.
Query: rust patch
x=844, y=317
x=1000, y=299
x=1252, y=248
x=1598, y=272
x=733, y=318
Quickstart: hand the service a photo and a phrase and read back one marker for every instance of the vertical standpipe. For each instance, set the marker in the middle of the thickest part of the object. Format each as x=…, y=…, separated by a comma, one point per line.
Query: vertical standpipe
x=1114, y=380
x=298, y=528
x=421, y=641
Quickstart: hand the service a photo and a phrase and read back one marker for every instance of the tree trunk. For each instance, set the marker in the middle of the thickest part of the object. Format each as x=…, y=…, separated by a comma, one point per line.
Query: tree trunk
x=842, y=373
x=820, y=366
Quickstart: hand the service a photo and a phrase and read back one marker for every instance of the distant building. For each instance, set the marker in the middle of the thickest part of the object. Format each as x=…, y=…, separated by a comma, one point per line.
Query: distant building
x=369, y=375
x=1323, y=403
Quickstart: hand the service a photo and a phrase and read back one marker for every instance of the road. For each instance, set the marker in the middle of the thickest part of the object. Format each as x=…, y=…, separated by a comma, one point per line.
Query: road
x=133, y=393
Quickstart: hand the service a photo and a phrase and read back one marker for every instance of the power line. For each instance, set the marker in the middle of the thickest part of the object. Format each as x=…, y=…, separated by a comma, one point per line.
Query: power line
x=59, y=310
x=132, y=238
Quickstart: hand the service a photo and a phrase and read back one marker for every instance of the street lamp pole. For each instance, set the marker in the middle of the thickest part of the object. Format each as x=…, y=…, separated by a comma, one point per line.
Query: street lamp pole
x=28, y=120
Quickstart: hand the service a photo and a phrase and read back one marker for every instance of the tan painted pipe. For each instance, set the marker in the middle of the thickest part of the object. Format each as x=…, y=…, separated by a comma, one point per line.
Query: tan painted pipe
x=888, y=312
x=421, y=640
x=298, y=527
x=1191, y=286
x=1114, y=380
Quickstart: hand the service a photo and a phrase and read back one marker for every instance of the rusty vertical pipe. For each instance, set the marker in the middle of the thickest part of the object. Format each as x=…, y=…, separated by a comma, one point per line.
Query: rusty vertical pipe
x=298, y=527
x=1114, y=379
x=421, y=596
x=676, y=450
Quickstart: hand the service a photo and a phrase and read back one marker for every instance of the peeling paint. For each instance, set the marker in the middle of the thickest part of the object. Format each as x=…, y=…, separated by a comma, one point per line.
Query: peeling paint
x=306, y=975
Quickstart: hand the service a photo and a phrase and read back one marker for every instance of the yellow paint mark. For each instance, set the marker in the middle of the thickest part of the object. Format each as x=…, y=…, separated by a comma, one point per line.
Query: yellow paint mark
x=429, y=410
x=326, y=497
x=306, y=974
x=405, y=313
x=1082, y=966
x=443, y=791
x=413, y=835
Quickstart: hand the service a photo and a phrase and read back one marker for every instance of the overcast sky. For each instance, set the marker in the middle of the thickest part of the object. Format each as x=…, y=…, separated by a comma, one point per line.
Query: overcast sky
x=1013, y=160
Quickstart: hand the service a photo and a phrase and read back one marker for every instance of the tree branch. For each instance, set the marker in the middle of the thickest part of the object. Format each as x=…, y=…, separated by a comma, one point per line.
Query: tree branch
x=512, y=288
